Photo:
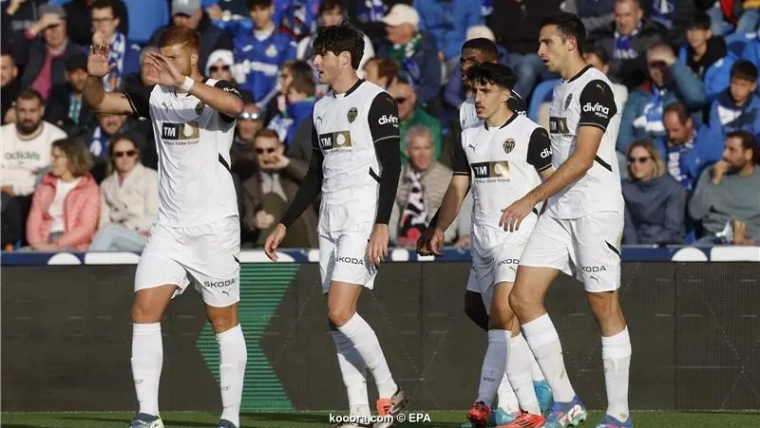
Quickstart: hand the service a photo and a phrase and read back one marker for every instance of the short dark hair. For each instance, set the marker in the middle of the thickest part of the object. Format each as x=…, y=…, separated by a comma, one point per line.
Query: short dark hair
x=495, y=74
x=105, y=4
x=679, y=109
x=596, y=49
x=267, y=133
x=6, y=51
x=482, y=44
x=338, y=39
x=744, y=70
x=30, y=94
x=178, y=35
x=700, y=21
x=328, y=5
x=568, y=26
x=258, y=3
x=749, y=141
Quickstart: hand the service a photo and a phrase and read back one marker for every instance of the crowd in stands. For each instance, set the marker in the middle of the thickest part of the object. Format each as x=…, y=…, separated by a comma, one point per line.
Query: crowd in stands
x=685, y=79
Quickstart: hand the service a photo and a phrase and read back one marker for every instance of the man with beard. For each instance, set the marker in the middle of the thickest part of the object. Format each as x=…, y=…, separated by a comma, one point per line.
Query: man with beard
x=727, y=194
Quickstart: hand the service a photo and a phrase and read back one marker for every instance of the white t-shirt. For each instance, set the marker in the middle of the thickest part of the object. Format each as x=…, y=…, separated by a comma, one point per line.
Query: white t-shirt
x=24, y=159
x=195, y=185
x=57, y=208
x=586, y=100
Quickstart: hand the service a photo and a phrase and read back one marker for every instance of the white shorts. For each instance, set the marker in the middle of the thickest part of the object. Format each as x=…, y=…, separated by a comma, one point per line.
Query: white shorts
x=588, y=247
x=499, y=266
x=206, y=255
x=343, y=237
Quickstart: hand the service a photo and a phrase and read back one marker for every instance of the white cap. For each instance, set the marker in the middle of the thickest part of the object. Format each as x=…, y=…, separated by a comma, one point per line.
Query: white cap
x=220, y=54
x=478, y=31
x=402, y=14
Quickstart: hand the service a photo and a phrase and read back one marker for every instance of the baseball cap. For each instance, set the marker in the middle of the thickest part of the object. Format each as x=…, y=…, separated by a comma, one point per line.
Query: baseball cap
x=52, y=8
x=402, y=14
x=185, y=7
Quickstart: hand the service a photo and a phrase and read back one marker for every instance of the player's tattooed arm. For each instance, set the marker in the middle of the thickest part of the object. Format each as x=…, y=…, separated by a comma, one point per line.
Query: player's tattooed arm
x=310, y=186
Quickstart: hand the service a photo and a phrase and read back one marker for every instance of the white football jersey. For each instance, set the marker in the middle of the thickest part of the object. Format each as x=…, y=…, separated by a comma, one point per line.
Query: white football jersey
x=503, y=164
x=346, y=128
x=195, y=185
x=586, y=100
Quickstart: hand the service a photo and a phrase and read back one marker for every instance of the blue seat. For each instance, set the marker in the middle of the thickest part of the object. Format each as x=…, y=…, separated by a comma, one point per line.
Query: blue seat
x=541, y=94
x=736, y=43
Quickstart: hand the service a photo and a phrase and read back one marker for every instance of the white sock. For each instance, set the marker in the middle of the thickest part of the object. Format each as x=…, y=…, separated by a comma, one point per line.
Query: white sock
x=354, y=372
x=147, y=362
x=507, y=398
x=233, y=357
x=544, y=342
x=616, y=355
x=538, y=375
x=520, y=375
x=494, y=365
x=365, y=341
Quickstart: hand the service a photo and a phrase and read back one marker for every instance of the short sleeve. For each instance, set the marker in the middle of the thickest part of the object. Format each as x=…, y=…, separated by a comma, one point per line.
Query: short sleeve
x=383, y=118
x=540, y=149
x=460, y=164
x=228, y=86
x=139, y=100
x=597, y=105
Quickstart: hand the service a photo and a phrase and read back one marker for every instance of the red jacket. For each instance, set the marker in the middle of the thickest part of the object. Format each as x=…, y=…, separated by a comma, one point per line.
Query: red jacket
x=81, y=212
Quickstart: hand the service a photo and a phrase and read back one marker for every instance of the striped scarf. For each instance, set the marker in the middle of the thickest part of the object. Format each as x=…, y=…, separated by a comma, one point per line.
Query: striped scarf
x=414, y=216
x=370, y=10
x=112, y=81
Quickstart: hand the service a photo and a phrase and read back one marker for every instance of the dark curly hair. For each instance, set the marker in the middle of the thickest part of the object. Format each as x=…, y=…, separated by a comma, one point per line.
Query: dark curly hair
x=338, y=39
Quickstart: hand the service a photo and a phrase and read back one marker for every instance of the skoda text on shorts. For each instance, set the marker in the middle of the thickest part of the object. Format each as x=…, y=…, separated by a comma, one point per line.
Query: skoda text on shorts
x=196, y=237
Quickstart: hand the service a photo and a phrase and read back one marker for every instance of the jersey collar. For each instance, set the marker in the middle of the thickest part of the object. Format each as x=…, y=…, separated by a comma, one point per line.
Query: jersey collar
x=352, y=89
x=510, y=120
x=580, y=73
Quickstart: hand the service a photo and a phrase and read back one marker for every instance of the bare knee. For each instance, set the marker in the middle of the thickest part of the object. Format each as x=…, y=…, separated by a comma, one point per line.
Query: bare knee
x=222, y=319
x=520, y=302
x=149, y=304
x=339, y=315
x=606, y=309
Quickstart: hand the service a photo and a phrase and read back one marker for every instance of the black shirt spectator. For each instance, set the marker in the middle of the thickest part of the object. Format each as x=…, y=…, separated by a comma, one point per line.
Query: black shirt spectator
x=65, y=107
x=79, y=19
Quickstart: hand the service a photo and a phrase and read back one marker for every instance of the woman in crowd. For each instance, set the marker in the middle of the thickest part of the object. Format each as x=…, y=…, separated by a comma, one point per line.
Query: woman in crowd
x=129, y=199
x=655, y=202
x=66, y=204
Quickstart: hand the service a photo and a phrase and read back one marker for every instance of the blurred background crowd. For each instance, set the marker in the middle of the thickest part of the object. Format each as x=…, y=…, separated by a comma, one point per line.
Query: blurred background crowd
x=685, y=74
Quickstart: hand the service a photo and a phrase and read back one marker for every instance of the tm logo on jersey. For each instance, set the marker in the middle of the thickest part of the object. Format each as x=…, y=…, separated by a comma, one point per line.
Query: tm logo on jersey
x=598, y=109
x=180, y=131
x=335, y=140
x=493, y=169
x=558, y=125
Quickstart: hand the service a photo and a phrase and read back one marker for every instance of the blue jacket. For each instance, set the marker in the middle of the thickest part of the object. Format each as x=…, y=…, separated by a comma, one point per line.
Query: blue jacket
x=425, y=72
x=260, y=60
x=725, y=116
x=654, y=211
x=686, y=162
x=286, y=123
x=448, y=22
x=752, y=52
x=717, y=77
x=685, y=87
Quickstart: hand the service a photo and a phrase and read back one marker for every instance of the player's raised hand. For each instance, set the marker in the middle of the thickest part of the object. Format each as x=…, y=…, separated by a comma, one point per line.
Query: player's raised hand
x=273, y=241
x=514, y=214
x=97, y=60
x=436, y=242
x=167, y=73
x=377, y=249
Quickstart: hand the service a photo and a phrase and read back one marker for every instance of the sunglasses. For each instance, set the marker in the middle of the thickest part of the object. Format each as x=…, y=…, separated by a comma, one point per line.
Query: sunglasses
x=215, y=68
x=128, y=153
x=638, y=160
x=250, y=116
x=267, y=150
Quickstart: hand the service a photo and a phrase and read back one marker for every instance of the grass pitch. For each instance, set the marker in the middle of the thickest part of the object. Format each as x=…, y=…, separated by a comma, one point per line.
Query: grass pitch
x=314, y=420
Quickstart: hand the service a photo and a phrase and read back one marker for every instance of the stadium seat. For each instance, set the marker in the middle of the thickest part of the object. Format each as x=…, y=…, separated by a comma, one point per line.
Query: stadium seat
x=541, y=94
x=736, y=43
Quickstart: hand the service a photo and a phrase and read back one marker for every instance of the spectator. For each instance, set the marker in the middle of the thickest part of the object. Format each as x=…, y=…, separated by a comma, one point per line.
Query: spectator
x=291, y=70
x=655, y=204
x=520, y=38
x=66, y=205
x=727, y=200
x=300, y=107
x=627, y=41
x=381, y=71
x=219, y=65
x=707, y=56
x=128, y=200
x=597, y=58
x=410, y=114
x=188, y=13
x=46, y=63
x=12, y=222
x=259, y=54
x=595, y=14
x=79, y=19
x=268, y=194
x=675, y=16
x=99, y=139
x=17, y=17
x=679, y=146
x=26, y=145
x=298, y=18
x=106, y=23
x=737, y=108
x=420, y=192
x=447, y=21
x=242, y=157
x=669, y=81
x=65, y=107
x=331, y=12
x=413, y=50
x=10, y=86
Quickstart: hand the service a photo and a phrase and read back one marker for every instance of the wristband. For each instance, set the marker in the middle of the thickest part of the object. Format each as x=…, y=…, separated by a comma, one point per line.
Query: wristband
x=188, y=84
